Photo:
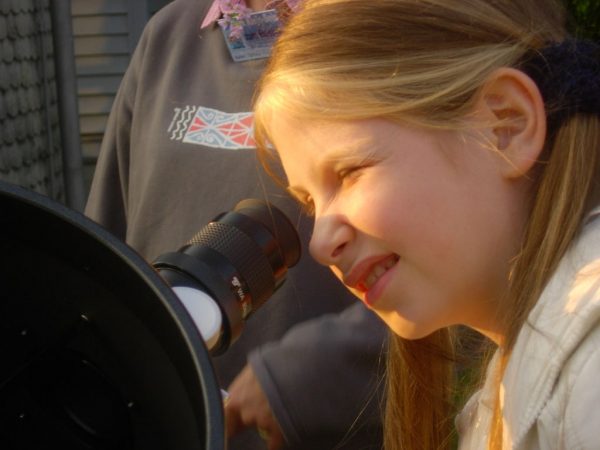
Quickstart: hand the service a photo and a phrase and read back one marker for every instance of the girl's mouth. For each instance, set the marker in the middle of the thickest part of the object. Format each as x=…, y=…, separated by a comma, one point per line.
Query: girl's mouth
x=376, y=272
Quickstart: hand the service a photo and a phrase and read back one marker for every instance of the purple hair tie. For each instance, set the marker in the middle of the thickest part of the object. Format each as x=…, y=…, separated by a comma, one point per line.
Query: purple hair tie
x=568, y=77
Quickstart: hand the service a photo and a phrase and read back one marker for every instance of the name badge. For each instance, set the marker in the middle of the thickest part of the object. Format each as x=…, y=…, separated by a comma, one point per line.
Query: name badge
x=256, y=37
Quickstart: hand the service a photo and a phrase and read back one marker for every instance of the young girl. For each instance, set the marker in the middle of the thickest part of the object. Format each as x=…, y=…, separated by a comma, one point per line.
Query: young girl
x=448, y=150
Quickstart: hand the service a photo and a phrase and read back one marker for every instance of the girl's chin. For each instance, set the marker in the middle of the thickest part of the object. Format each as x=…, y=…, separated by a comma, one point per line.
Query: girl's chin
x=410, y=335
x=410, y=330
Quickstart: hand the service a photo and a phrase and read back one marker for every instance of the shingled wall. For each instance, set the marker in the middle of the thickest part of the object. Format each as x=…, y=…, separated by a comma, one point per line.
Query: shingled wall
x=30, y=149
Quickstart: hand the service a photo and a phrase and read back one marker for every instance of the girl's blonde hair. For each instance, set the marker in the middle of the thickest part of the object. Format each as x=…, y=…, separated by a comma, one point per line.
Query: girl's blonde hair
x=422, y=62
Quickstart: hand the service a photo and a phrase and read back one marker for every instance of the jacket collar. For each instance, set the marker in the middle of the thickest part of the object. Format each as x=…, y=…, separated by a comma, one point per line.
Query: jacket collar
x=568, y=307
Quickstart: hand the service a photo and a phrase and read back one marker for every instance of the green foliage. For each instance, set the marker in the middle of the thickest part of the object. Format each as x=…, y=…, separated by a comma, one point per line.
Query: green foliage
x=584, y=18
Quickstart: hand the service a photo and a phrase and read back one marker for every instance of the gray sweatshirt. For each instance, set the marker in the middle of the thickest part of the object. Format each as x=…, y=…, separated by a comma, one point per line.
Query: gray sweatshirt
x=177, y=151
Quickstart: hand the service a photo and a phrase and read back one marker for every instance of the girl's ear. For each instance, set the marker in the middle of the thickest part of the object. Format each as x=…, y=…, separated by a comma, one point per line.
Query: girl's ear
x=513, y=104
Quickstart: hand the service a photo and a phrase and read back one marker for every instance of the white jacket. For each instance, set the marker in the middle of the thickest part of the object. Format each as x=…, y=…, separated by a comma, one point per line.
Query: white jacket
x=550, y=393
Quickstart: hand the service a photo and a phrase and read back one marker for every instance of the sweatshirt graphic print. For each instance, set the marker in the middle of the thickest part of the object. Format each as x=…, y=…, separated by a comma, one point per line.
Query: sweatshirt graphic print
x=212, y=128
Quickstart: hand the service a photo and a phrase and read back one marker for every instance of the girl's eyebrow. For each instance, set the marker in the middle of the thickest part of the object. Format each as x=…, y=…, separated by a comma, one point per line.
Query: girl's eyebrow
x=356, y=149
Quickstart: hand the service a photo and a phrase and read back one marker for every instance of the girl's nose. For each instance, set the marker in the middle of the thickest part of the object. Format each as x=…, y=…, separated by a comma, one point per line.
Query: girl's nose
x=331, y=235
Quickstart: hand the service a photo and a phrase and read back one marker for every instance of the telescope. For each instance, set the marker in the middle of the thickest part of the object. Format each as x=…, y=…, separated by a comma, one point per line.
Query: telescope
x=100, y=349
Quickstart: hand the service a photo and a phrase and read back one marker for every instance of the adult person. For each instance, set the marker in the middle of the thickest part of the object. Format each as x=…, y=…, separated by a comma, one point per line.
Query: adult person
x=178, y=150
x=449, y=152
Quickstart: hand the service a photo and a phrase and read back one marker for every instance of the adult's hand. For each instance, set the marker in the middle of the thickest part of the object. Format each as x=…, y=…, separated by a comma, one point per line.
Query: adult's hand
x=247, y=406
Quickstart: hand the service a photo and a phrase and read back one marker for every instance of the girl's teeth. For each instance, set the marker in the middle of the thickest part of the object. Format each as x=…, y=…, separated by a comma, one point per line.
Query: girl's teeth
x=390, y=262
x=378, y=271
x=371, y=279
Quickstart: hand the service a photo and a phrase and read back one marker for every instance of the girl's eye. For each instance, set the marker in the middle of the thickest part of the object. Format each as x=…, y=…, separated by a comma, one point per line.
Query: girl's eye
x=349, y=174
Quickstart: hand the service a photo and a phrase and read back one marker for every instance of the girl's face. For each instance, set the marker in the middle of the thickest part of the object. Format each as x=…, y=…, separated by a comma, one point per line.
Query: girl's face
x=420, y=225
